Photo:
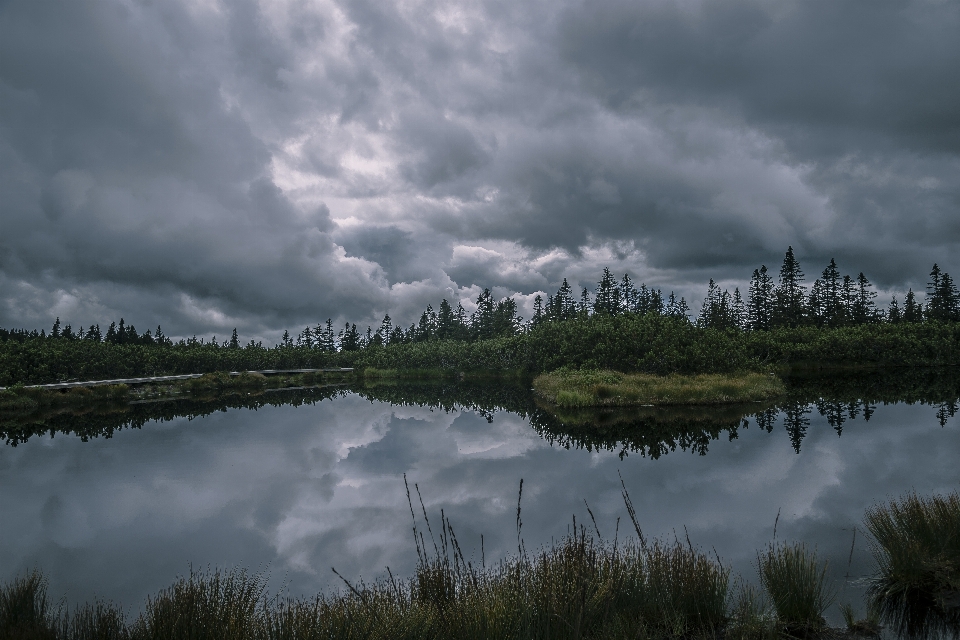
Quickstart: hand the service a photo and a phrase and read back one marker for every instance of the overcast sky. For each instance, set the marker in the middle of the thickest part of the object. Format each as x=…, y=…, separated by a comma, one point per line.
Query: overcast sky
x=207, y=165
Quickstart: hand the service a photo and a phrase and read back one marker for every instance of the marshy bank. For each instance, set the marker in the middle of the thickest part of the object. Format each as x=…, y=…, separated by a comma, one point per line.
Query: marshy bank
x=583, y=586
x=20, y=398
x=595, y=388
x=580, y=587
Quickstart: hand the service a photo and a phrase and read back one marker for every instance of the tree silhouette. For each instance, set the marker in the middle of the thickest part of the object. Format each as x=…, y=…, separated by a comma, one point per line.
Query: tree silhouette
x=760, y=300
x=789, y=296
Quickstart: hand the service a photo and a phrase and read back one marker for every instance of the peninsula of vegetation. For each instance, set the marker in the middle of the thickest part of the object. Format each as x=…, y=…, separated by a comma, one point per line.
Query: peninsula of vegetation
x=617, y=327
x=584, y=388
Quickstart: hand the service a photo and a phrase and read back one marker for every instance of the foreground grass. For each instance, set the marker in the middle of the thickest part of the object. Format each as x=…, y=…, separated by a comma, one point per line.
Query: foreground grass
x=591, y=388
x=580, y=588
x=916, y=545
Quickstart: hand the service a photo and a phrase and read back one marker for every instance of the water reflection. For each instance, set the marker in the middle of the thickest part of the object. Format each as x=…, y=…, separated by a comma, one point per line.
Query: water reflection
x=298, y=481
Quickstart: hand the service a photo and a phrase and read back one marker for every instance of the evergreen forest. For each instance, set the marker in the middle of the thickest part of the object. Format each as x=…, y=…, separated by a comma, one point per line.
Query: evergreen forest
x=780, y=321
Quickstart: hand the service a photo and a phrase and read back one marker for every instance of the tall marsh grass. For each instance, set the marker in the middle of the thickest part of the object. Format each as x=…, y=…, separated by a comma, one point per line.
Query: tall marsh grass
x=797, y=586
x=581, y=587
x=916, y=545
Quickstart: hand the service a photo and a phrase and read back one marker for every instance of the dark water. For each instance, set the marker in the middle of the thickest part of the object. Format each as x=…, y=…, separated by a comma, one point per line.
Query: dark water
x=313, y=479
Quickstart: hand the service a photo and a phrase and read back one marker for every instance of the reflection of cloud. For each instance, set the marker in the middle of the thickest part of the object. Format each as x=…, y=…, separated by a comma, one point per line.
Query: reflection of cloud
x=300, y=489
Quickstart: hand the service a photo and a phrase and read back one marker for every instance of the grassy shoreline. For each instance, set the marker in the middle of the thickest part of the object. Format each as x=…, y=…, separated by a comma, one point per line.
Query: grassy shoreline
x=19, y=399
x=580, y=587
x=593, y=388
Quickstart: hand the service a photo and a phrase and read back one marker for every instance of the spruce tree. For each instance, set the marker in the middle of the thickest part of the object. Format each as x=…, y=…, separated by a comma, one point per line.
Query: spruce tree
x=462, y=323
x=583, y=309
x=481, y=322
x=832, y=310
x=538, y=313
x=760, y=300
x=234, y=339
x=506, y=322
x=446, y=322
x=386, y=328
x=350, y=338
x=607, y=298
x=816, y=307
x=397, y=336
x=864, y=310
x=789, y=296
x=943, y=301
x=649, y=301
x=562, y=306
x=677, y=308
x=894, y=312
x=628, y=295
x=716, y=312
x=326, y=340
x=426, y=325
x=848, y=297
x=739, y=310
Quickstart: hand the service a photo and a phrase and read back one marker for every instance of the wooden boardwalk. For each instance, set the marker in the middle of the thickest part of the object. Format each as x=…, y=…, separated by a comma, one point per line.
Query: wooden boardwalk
x=188, y=376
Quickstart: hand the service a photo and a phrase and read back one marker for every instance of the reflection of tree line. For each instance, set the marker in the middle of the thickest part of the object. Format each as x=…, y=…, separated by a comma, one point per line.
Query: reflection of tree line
x=104, y=421
x=649, y=431
x=837, y=397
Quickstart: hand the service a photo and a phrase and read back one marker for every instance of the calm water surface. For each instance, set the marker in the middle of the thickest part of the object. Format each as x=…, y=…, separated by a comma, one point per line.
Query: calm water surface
x=296, y=490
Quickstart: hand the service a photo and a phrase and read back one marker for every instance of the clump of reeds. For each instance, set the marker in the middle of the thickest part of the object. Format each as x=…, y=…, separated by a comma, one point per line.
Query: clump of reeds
x=750, y=616
x=587, y=388
x=25, y=611
x=916, y=545
x=796, y=584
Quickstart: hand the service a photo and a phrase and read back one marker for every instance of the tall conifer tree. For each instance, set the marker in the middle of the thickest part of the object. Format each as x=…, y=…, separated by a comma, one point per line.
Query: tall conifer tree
x=789, y=296
x=760, y=300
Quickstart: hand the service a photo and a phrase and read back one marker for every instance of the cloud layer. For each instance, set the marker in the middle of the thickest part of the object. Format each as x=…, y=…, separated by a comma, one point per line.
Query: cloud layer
x=267, y=164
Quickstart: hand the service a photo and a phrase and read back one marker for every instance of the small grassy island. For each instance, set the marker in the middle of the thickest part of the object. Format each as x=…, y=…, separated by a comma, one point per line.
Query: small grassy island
x=593, y=388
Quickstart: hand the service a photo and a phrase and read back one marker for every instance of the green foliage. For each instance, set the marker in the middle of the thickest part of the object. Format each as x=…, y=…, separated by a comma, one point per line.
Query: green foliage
x=42, y=361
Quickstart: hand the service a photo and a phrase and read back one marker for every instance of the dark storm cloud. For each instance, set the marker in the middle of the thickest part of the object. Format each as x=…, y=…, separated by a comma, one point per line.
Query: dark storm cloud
x=207, y=165
x=130, y=171
x=864, y=95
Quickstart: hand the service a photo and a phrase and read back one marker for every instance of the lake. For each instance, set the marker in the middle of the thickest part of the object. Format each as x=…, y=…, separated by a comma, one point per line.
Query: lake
x=309, y=479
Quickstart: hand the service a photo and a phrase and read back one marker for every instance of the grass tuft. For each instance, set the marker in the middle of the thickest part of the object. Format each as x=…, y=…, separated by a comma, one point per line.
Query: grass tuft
x=796, y=583
x=916, y=544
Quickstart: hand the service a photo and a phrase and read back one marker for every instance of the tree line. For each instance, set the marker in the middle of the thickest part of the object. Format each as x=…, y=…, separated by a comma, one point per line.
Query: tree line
x=832, y=301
